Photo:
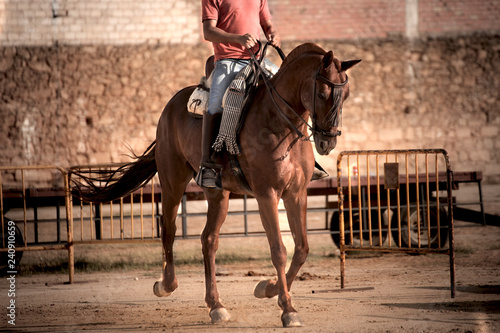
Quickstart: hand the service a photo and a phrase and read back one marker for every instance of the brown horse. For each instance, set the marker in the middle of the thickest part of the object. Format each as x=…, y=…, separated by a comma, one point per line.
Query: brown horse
x=277, y=161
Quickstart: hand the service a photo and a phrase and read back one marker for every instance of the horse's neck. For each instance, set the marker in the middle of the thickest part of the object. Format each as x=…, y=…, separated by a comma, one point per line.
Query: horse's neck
x=290, y=85
x=266, y=117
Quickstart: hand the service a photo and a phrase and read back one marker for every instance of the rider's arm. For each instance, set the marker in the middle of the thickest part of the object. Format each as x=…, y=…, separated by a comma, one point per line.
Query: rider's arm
x=271, y=33
x=215, y=35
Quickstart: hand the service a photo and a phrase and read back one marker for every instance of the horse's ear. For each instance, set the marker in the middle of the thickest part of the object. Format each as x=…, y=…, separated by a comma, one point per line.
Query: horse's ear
x=328, y=59
x=348, y=64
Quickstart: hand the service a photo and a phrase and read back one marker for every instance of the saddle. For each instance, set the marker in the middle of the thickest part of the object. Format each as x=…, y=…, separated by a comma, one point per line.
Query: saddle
x=198, y=101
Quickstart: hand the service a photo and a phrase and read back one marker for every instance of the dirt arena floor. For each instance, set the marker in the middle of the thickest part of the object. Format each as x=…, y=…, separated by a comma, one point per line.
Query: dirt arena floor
x=403, y=293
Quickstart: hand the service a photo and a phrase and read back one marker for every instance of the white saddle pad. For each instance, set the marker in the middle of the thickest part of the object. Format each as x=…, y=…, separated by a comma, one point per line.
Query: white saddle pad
x=198, y=101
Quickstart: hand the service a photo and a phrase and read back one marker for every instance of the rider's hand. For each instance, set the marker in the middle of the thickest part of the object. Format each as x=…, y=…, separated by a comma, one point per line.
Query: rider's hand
x=274, y=39
x=248, y=41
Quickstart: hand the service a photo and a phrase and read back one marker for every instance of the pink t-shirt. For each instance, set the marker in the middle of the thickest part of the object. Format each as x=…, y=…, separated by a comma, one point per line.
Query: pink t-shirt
x=238, y=17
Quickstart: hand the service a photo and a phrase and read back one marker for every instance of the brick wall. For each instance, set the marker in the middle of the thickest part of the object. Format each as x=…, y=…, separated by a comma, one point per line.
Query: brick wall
x=120, y=22
x=76, y=22
x=438, y=17
x=323, y=19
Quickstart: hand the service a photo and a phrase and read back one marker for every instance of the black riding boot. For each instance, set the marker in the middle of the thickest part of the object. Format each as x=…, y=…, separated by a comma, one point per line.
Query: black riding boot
x=207, y=175
x=319, y=172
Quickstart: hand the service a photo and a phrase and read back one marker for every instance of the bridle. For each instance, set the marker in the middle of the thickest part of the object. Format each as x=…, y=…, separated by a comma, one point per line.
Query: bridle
x=334, y=113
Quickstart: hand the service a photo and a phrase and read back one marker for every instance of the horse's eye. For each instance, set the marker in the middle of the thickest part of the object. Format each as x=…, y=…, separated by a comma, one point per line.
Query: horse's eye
x=323, y=96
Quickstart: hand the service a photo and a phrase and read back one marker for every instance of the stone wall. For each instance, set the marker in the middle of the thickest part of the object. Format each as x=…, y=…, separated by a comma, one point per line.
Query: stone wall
x=84, y=104
x=80, y=81
x=432, y=93
x=70, y=105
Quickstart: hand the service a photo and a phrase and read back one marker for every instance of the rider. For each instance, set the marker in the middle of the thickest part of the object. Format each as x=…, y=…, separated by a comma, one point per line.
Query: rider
x=233, y=27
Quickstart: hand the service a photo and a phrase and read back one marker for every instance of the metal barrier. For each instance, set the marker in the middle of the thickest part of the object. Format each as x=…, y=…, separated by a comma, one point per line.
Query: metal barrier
x=133, y=218
x=26, y=206
x=402, y=209
x=39, y=202
x=397, y=208
x=136, y=217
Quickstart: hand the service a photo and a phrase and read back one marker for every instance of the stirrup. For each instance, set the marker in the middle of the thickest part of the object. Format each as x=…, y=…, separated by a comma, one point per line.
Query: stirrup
x=319, y=172
x=207, y=177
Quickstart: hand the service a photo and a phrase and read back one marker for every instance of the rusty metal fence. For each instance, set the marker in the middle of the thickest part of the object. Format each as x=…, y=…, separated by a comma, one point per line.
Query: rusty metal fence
x=395, y=201
x=133, y=218
x=29, y=215
x=392, y=201
x=137, y=217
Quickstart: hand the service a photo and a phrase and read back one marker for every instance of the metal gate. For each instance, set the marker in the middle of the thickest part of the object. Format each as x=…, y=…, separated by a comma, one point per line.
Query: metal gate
x=396, y=201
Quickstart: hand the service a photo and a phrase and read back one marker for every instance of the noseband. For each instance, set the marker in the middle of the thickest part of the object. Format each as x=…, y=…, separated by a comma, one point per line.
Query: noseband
x=336, y=109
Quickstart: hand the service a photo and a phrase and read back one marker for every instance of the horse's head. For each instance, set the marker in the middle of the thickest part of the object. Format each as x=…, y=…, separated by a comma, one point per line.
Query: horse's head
x=330, y=90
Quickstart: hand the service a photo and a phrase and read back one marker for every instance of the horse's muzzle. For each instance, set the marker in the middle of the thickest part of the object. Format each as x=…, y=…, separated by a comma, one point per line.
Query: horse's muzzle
x=324, y=144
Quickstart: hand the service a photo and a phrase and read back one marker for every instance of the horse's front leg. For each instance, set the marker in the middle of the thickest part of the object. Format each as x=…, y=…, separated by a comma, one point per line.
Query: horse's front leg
x=268, y=208
x=216, y=215
x=296, y=209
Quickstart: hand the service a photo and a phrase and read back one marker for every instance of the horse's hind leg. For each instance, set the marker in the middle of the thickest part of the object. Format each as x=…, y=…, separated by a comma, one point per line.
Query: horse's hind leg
x=171, y=198
x=217, y=211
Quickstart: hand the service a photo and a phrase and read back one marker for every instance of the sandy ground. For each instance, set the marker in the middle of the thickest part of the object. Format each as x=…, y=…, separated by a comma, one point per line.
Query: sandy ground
x=404, y=293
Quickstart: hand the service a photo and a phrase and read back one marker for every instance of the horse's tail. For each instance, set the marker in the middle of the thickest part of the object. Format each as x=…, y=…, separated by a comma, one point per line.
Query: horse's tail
x=108, y=185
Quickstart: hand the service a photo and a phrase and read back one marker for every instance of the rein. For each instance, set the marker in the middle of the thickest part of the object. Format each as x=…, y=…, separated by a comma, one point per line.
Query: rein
x=333, y=113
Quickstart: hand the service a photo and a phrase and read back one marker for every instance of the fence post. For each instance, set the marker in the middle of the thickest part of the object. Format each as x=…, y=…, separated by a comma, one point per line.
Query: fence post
x=69, y=222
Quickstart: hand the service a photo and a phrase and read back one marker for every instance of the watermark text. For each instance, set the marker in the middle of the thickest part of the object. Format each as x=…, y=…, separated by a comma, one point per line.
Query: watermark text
x=11, y=272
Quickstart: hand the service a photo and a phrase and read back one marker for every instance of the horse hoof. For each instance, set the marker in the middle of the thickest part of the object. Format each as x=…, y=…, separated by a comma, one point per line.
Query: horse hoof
x=219, y=315
x=260, y=289
x=291, y=319
x=159, y=290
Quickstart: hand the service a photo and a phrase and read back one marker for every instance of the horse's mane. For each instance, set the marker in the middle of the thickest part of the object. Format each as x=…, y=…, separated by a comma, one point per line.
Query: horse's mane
x=300, y=50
